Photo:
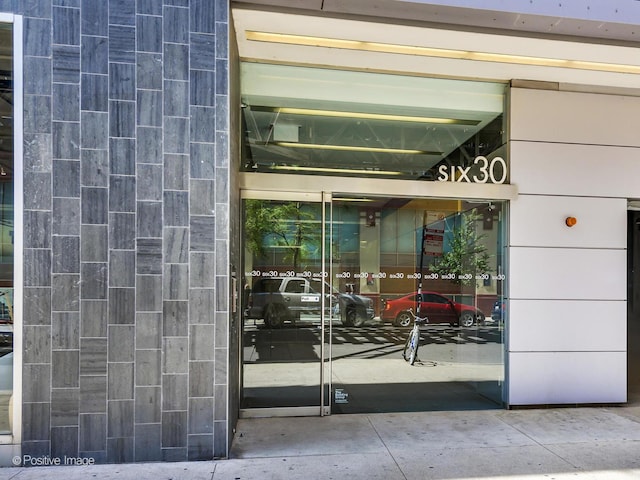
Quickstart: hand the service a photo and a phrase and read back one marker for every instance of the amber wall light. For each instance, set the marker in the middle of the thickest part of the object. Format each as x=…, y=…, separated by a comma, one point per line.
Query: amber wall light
x=570, y=221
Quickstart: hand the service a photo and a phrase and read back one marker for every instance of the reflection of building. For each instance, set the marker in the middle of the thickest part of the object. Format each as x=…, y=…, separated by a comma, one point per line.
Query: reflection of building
x=138, y=129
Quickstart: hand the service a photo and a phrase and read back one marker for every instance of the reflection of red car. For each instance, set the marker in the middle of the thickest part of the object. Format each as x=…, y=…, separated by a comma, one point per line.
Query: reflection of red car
x=438, y=308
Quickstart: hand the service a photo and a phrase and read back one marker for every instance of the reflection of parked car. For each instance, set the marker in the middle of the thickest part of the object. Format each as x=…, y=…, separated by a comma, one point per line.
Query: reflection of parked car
x=437, y=307
x=280, y=299
x=6, y=334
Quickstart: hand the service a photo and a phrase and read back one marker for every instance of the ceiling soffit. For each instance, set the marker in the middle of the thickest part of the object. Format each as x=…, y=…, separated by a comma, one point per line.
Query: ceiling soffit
x=612, y=22
x=467, y=46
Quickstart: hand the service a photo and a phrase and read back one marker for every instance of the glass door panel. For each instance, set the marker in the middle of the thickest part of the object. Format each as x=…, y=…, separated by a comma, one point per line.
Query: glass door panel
x=441, y=258
x=284, y=298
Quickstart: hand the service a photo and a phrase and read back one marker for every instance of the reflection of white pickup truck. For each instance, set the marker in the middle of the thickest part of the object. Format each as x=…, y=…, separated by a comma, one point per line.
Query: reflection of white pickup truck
x=6, y=326
x=280, y=299
x=6, y=338
x=6, y=330
x=6, y=334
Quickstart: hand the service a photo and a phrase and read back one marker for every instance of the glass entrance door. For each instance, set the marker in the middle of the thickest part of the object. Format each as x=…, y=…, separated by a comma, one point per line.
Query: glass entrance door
x=287, y=304
x=330, y=286
x=441, y=258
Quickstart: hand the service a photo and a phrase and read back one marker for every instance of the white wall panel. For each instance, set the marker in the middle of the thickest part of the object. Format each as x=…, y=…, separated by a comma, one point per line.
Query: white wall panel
x=567, y=377
x=566, y=325
x=573, y=117
x=567, y=274
x=540, y=221
x=566, y=169
x=572, y=154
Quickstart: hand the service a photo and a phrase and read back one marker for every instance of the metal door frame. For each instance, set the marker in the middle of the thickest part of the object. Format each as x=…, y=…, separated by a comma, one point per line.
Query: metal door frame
x=321, y=189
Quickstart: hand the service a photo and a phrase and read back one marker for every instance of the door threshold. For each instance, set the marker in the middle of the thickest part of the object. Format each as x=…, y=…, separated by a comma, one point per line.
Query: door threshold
x=283, y=412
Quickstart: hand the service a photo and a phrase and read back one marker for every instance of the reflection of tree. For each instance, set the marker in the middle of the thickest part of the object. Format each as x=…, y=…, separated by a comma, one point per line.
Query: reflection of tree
x=467, y=254
x=286, y=225
x=6, y=201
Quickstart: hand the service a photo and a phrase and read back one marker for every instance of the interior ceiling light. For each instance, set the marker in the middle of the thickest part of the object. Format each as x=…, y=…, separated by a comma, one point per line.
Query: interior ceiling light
x=364, y=116
x=297, y=168
x=438, y=52
x=349, y=199
x=350, y=148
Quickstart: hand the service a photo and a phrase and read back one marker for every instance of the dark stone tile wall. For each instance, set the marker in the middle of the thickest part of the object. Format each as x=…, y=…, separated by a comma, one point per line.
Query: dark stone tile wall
x=127, y=229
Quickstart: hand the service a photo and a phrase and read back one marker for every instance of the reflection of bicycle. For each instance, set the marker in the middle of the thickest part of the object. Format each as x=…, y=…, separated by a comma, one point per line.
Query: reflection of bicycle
x=410, y=352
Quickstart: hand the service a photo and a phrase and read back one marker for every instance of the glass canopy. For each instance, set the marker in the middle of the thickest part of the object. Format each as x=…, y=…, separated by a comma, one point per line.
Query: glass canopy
x=335, y=122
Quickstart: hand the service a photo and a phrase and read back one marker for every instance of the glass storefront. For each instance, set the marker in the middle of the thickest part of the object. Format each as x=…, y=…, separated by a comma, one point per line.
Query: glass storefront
x=6, y=227
x=332, y=279
x=330, y=290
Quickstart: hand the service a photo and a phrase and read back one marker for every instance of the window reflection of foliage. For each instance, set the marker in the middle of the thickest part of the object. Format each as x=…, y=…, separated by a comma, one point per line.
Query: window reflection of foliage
x=288, y=225
x=467, y=253
x=6, y=209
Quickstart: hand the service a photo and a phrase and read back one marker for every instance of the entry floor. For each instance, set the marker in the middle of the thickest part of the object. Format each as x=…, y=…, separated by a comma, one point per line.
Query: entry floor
x=457, y=369
x=384, y=385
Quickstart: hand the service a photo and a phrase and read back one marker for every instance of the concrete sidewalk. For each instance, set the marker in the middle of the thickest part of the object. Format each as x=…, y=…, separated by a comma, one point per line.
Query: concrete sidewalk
x=558, y=443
